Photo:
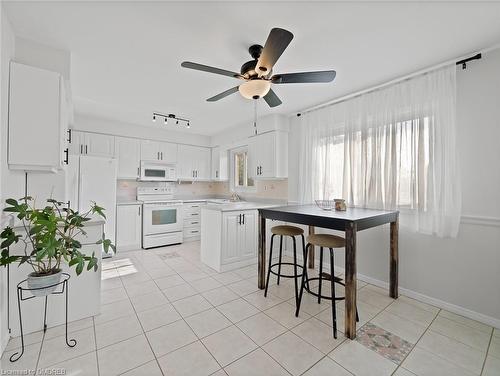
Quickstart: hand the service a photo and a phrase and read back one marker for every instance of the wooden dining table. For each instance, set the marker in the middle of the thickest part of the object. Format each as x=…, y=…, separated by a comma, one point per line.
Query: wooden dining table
x=350, y=221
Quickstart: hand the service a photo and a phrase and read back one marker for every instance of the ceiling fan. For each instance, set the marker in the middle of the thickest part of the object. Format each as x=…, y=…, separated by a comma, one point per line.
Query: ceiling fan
x=257, y=73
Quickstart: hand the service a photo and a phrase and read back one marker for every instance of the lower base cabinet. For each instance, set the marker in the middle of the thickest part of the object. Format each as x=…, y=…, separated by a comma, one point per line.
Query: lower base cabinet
x=228, y=239
x=128, y=227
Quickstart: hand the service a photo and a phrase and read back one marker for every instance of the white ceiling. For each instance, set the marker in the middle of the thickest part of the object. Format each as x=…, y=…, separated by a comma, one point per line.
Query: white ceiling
x=126, y=55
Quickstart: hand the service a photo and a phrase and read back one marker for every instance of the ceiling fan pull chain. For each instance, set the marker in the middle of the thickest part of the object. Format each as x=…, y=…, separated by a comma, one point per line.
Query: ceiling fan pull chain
x=255, y=115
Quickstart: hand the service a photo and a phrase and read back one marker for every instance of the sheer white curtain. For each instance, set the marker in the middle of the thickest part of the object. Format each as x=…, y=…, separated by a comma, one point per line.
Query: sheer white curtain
x=393, y=148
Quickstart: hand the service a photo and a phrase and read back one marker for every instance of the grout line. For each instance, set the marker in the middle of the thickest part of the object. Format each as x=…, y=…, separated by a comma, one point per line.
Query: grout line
x=418, y=340
x=39, y=351
x=487, y=350
x=143, y=332
x=95, y=343
x=243, y=297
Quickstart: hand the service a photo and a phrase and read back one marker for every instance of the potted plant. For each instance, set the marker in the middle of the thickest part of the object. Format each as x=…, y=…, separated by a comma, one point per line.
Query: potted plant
x=49, y=236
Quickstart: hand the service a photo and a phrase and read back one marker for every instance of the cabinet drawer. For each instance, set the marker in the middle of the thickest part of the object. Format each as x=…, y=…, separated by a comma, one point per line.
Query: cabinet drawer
x=189, y=232
x=192, y=215
x=195, y=222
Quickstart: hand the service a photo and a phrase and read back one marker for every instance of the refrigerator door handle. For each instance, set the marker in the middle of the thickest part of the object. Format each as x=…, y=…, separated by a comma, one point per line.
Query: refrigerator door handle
x=66, y=158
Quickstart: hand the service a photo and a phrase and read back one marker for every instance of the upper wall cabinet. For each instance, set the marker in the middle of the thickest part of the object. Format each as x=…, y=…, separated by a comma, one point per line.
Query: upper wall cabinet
x=38, y=119
x=219, y=164
x=193, y=163
x=268, y=155
x=158, y=151
x=128, y=153
x=98, y=145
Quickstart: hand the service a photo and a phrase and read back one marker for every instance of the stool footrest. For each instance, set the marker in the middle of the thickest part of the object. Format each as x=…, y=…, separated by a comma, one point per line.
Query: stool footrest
x=328, y=277
x=327, y=297
x=299, y=275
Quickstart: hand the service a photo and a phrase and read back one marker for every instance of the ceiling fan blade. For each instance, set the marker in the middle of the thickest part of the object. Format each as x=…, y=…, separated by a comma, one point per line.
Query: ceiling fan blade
x=206, y=68
x=223, y=94
x=304, y=77
x=277, y=41
x=272, y=99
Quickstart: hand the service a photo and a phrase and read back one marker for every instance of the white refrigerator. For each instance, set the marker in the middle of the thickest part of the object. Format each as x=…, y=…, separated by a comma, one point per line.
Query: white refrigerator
x=93, y=179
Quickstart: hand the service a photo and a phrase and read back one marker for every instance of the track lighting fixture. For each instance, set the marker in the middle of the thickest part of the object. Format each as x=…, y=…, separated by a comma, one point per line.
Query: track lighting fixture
x=178, y=121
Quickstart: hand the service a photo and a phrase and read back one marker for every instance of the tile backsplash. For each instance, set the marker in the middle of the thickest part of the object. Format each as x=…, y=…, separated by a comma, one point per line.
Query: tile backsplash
x=265, y=189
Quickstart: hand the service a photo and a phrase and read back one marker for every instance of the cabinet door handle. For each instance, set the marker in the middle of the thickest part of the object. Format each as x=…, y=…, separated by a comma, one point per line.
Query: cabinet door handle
x=161, y=154
x=239, y=219
x=86, y=149
x=66, y=158
x=69, y=136
x=81, y=149
x=243, y=218
x=216, y=174
x=138, y=171
x=158, y=155
x=139, y=210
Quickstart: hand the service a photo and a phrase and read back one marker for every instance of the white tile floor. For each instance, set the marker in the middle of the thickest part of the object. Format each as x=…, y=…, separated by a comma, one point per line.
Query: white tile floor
x=165, y=313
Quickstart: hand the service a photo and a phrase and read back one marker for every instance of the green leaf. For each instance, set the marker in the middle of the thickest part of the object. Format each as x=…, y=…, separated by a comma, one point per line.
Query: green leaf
x=11, y=201
x=79, y=267
x=73, y=262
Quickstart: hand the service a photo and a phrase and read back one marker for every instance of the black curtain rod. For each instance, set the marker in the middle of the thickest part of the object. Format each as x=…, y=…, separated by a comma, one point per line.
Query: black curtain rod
x=464, y=62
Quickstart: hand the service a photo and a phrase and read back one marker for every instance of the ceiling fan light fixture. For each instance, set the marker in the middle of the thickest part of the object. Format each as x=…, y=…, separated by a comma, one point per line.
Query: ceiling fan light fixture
x=254, y=89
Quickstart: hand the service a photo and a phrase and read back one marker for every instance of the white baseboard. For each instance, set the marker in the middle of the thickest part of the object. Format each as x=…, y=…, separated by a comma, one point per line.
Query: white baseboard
x=485, y=319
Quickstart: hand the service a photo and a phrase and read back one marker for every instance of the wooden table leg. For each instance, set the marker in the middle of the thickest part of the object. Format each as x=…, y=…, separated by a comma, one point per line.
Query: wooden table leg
x=394, y=260
x=262, y=253
x=311, y=250
x=350, y=280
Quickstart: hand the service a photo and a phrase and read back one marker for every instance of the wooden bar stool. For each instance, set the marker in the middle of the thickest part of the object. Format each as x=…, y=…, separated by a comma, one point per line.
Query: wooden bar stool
x=292, y=231
x=330, y=242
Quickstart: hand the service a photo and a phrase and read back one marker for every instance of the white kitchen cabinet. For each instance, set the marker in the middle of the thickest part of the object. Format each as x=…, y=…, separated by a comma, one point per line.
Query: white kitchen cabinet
x=128, y=227
x=219, y=164
x=99, y=145
x=95, y=144
x=38, y=119
x=77, y=140
x=158, y=151
x=268, y=155
x=128, y=153
x=228, y=239
x=193, y=163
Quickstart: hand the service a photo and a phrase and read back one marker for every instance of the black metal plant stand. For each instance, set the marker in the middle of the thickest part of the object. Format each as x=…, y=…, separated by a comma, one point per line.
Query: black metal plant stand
x=21, y=287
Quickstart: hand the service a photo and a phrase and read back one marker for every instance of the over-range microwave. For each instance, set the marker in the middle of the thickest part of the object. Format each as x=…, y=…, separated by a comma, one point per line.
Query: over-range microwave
x=157, y=171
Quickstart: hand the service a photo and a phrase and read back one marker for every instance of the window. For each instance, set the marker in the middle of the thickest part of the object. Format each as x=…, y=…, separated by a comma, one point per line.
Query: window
x=240, y=179
x=395, y=155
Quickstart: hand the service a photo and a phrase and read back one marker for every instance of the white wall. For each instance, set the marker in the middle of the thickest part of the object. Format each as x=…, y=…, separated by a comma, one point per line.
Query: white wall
x=462, y=274
x=100, y=125
x=6, y=53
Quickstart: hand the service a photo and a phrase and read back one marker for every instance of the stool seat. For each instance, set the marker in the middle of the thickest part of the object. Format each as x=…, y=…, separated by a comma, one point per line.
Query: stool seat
x=326, y=240
x=286, y=230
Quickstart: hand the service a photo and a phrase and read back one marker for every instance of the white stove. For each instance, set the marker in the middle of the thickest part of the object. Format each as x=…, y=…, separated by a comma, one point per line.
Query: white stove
x=162, y=217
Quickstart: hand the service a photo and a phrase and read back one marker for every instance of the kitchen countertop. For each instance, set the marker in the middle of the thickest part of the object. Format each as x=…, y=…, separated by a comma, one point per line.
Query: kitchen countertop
x=240, y=205
x=131, y=202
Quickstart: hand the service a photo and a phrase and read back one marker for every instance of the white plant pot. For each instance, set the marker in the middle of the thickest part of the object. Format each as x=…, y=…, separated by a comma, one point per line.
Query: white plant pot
x=43, y=285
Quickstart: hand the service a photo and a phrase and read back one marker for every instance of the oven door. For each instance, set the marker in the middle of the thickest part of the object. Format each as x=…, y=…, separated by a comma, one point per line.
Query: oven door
x=160, y=218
